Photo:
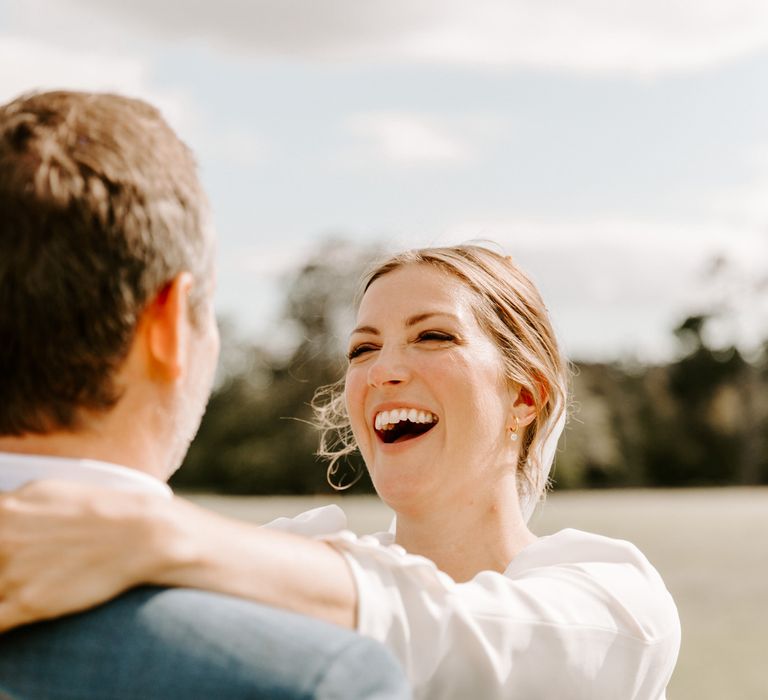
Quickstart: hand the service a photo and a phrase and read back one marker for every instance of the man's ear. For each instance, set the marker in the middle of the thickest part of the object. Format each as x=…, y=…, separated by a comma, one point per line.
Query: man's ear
x=166, y=327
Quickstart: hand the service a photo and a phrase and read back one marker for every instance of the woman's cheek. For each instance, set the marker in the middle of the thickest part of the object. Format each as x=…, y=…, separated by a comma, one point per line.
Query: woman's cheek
x=354, y=399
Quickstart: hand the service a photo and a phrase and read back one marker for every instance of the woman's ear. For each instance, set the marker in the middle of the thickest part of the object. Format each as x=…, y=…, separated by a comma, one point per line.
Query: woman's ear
x=165, y=325
x=525, y=396
x=523, y=411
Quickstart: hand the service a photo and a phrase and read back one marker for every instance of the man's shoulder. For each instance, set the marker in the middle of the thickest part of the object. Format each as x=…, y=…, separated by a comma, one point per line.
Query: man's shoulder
x=17, y=469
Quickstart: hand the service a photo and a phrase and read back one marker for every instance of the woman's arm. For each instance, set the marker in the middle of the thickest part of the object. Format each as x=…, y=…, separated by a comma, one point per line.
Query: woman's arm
x=206, y=550
x=65, y=547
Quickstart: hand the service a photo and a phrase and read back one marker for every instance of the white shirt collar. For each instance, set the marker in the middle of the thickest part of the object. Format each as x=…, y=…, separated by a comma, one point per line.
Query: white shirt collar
x=19, y=469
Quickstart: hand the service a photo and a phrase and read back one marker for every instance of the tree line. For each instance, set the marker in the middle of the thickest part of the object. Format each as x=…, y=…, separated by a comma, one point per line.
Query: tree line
x=701, y=419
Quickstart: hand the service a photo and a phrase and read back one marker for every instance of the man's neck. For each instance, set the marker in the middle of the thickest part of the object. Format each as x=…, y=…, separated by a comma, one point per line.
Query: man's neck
x=88, y=444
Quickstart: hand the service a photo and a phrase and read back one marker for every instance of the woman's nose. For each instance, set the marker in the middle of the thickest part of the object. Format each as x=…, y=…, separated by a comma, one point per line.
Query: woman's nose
x=388, y=369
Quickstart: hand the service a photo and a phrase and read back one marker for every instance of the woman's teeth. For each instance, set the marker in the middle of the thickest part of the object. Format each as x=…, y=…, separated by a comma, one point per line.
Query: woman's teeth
x=386, y=420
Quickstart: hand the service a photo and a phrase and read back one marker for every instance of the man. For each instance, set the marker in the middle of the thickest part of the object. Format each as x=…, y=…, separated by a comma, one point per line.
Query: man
x=108, y=345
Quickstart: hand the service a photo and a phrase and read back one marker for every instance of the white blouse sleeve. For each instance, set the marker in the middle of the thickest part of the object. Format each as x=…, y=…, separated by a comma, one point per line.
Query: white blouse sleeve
x=575, y=615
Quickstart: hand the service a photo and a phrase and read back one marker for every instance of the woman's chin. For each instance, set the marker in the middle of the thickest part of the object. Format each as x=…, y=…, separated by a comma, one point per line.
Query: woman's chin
x=401, y=490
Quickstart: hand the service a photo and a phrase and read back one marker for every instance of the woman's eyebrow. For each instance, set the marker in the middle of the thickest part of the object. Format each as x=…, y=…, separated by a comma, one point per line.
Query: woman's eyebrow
x=366, y=329
x=418, y=318
x=411, y=321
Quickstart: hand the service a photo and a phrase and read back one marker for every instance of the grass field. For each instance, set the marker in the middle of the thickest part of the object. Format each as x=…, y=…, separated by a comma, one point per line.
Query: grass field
x=710, y=545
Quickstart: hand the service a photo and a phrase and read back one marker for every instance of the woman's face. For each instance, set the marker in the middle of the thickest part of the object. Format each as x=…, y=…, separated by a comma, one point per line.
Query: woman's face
x=426, y=394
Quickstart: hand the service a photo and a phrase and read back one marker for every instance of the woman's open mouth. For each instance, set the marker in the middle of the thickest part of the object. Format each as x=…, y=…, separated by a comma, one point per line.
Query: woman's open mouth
x=401, y=424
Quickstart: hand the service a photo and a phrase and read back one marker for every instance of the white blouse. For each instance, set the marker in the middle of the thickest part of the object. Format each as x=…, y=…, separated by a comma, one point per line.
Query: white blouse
x=575, y=615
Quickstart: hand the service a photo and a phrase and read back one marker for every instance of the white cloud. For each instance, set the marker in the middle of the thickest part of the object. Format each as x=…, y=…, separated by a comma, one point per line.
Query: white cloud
x=405, y=139
x=699, y=241
x=36, y=65
x=615, y=287
x=745, y=204
x=600, y=36
x=618, y=286
x=590, y=36
x=41, y=66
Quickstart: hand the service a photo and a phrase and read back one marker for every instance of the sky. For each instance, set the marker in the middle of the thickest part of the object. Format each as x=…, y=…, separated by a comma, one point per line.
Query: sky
x=614, y=148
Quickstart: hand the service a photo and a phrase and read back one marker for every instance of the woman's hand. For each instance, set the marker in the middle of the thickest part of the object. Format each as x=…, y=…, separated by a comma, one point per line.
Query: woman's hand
x=67, y=546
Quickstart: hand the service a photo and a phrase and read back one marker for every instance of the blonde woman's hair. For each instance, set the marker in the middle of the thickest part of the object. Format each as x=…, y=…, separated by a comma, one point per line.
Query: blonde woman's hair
x=510, y=310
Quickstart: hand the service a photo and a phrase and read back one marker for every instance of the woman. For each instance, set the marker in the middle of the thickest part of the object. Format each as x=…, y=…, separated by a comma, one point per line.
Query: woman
x=455, y=395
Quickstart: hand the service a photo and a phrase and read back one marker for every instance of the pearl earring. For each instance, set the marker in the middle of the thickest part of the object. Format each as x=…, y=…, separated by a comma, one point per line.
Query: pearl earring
x=513, y=431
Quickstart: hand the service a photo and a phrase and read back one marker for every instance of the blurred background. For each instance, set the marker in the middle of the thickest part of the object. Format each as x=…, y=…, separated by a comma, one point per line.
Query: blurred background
x=618, y=150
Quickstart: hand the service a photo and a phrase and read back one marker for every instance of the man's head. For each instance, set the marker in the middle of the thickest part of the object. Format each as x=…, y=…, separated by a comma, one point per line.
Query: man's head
x=101, y=216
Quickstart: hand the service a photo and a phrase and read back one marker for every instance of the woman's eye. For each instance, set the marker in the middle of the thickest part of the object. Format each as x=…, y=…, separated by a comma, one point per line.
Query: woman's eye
x=359, y=350
x=436, y=335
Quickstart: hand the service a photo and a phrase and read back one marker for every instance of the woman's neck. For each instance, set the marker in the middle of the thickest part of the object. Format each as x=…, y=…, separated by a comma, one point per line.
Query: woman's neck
x=483, y=535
